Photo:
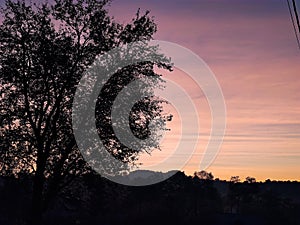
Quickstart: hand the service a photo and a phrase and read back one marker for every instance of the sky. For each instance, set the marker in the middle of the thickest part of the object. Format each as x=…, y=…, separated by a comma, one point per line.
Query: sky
x=251, y=48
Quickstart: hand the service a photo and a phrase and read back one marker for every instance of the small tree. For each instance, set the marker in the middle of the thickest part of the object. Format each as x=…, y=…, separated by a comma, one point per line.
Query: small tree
x=235, y=179
x=203, y=175
x=234, y=193
x=250, y=180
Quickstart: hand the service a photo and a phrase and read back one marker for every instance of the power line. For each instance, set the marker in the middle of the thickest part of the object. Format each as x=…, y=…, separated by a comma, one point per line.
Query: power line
x=293, y=21
x=296, y=14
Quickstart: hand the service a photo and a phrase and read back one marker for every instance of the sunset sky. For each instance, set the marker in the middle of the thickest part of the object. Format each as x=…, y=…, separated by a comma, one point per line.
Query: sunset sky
x=251, y=48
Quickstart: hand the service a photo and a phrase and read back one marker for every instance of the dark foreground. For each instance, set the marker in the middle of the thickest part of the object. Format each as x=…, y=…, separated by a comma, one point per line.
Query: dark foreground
x=179, y=200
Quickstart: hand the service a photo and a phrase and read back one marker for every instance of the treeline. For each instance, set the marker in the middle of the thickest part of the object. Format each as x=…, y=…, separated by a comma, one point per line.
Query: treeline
x=181, y=199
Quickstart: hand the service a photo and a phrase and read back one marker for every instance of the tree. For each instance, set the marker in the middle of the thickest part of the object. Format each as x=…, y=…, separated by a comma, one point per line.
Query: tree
x=234, y=193
x=203, y=175
x=44, y=50
x=235, y=179
x=250, y=180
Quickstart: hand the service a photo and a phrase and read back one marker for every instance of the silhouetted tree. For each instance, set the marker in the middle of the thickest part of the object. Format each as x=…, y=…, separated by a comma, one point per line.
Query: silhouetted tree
x=234, y=194
x=44, y=50
x=250, y=180
x=235, y=179
x=203, y=175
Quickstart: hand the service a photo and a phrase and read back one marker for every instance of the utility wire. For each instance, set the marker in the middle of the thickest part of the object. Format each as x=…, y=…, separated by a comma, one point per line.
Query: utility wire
x=293, y=21
x=296, y=14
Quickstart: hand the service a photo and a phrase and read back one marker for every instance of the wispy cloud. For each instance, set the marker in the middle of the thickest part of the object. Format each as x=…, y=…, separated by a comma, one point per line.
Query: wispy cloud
x=251, y=48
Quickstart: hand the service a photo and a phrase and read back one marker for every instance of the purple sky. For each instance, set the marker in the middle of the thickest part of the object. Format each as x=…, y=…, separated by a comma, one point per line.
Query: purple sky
x=251, y=48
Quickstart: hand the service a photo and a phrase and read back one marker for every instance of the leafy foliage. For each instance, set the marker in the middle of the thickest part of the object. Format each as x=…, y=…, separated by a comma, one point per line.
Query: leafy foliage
x=44, y=50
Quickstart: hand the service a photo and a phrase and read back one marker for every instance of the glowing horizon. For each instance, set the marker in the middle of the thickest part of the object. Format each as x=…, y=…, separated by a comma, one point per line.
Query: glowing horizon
x=252, y=50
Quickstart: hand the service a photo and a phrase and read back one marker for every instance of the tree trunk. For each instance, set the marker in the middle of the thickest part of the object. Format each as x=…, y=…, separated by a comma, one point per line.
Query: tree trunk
x=38, y=188
x=37, y=200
